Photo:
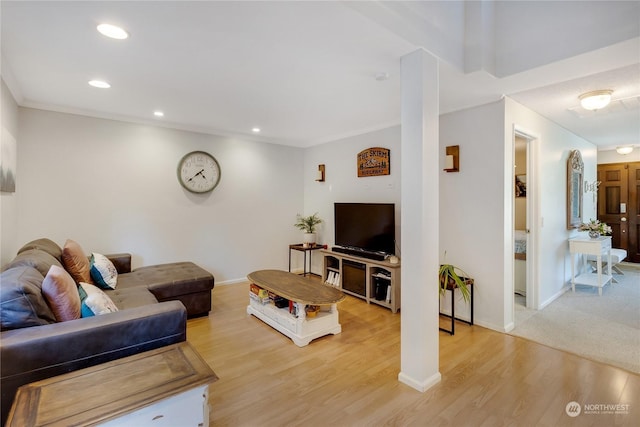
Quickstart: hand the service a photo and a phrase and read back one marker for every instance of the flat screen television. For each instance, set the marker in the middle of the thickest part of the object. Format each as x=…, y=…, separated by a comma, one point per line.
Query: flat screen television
x=367, y=226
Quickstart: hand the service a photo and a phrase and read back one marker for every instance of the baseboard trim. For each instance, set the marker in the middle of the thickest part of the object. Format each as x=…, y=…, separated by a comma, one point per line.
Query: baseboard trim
x=554, y=297
x=629, y=265
x=421, y=386
x=494, y=327
x=232, y=282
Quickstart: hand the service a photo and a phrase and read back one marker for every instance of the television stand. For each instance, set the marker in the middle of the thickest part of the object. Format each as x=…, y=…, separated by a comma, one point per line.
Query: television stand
x=378, y=282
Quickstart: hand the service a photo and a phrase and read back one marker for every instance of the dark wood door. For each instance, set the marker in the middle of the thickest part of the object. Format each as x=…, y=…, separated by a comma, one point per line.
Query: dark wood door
x=633, y=214
x=618, y=205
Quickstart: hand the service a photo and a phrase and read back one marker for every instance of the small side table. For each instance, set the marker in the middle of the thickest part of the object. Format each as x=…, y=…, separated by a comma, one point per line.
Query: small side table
x=598, y=247
x=300, y=248
x=453, y=317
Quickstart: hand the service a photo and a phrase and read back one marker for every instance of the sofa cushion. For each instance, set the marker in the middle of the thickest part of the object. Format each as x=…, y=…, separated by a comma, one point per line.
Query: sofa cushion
x=47, y=245
x=183, y=281
x=22, y=304
x=97, y=300
x=131, y=297
x=103, y=272
x=167, y=281
x=61, y=293
x=76, y=262
x=36, y=258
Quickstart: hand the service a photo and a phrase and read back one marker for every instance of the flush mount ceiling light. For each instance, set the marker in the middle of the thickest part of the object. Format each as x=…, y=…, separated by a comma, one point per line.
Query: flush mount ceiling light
x=101, y=84
x=255, y=130
x=158, y=113
x=112, y=31
x=595, y=100
x=624, y=150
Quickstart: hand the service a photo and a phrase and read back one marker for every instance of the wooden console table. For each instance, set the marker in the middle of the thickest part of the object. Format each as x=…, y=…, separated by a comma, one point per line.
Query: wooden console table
x=163, y=387
x=300, y=328
x=589, y=246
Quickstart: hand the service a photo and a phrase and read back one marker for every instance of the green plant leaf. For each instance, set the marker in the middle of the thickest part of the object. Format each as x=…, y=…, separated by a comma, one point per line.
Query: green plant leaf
x=449, y=271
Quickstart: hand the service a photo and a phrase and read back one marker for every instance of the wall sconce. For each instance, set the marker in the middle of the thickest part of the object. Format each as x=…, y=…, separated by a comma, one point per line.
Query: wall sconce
x=320, y=175
x=452, y=159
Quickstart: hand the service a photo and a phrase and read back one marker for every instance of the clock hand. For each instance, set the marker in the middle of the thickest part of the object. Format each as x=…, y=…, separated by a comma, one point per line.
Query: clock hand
x=199, y=173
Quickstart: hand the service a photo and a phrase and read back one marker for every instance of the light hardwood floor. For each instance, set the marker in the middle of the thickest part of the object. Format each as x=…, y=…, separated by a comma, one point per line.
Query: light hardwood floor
x=350, y=379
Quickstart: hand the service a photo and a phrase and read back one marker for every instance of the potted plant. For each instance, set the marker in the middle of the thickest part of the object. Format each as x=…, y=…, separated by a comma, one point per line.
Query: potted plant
x=596, y=228
x=452, y=277
x=308, y=224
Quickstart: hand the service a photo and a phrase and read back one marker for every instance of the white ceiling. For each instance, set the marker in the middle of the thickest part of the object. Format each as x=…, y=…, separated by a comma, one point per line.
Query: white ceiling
x=304, y=72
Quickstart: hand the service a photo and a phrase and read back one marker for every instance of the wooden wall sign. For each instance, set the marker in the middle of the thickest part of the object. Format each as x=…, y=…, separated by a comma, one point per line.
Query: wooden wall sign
x=374, y=161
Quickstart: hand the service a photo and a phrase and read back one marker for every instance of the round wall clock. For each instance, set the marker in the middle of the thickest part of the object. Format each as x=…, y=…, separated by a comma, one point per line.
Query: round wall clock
x=198, y=172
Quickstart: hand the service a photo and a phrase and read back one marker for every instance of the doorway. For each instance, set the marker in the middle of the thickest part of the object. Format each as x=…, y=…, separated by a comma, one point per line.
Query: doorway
x=525, y=222
x=520, y=231
x=619, y=205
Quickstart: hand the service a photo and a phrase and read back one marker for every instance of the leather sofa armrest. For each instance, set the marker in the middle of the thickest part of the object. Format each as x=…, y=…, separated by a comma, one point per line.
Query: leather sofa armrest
x=122, y=262
x=40, y=352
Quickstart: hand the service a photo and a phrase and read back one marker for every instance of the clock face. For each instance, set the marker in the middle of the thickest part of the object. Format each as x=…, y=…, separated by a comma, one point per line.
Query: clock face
x=198, y=172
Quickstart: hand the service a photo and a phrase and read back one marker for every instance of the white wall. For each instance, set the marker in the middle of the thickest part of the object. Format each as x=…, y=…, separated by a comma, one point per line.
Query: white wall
x=476, y=204
x=342, y=183
x=112, y=186
x=471, y=208
x=612, y=156
x=8, y=201
x=554, y=145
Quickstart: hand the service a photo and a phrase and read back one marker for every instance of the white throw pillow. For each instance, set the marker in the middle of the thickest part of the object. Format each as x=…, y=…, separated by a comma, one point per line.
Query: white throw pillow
x=97, y=301
x=103, y=272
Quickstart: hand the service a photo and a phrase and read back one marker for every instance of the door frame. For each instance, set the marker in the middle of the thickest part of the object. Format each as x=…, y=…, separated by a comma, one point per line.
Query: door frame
x=533, y=216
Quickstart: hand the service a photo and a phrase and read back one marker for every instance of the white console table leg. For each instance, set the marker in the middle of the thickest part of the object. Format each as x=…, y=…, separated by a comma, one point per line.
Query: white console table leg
x=573, y=272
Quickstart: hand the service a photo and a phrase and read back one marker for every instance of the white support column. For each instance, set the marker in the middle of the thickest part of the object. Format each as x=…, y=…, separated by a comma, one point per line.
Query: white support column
x=419, y=361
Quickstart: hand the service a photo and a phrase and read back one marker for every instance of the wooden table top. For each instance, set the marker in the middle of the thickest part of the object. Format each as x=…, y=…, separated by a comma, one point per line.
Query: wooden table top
x=295, y=288
x=103, y=392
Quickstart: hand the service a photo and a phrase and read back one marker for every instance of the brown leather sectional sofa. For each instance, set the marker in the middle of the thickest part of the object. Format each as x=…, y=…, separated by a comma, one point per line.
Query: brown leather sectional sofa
x=153, y=305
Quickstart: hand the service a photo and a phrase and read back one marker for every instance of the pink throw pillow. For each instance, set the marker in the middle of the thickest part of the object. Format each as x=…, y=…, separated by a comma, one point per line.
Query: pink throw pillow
x=61, y=293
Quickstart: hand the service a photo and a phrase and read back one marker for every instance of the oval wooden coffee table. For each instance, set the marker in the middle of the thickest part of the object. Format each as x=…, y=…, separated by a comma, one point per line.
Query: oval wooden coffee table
x=292, y=320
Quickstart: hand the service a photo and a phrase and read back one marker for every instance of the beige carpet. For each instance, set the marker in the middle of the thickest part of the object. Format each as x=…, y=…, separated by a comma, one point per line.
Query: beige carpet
x=605, y=329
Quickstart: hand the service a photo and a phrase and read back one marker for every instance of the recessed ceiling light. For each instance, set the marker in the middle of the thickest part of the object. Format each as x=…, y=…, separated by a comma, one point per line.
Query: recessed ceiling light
x=112, y=31
x=99, y=84
x=595, y=100
x=158, y=113
x=255, y=130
